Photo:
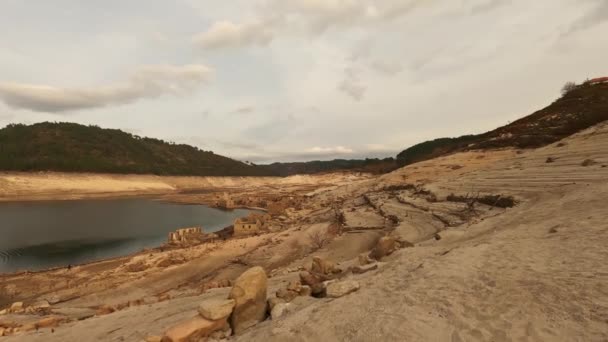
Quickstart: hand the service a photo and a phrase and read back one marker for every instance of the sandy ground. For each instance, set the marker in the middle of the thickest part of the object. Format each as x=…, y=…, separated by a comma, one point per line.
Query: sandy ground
x=60, y=186
x=534, y=272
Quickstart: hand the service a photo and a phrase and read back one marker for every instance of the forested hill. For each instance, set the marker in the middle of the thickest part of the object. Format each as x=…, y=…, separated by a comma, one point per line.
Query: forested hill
x=70, y=147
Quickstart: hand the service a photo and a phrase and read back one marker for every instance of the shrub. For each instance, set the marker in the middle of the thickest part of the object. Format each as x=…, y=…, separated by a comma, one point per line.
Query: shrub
x=568, y=87
x=318, y=239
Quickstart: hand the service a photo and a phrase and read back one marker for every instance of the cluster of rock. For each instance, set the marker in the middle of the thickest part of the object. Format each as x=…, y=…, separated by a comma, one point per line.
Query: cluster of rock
x=248, y=303
x=40, y=308
x=245, y=306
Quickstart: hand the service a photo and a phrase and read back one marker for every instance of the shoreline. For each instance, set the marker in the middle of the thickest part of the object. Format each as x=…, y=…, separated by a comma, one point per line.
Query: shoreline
x=158, y=248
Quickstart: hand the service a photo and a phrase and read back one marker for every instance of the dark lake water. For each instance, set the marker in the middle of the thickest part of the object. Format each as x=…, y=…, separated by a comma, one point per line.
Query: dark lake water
x=38, y=235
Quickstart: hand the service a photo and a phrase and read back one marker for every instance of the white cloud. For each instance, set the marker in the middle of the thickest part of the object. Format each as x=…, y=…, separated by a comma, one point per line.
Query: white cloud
x=313, y=16
x=330, y=150
x=147, y=82
x=225, y=34
x=244, y=110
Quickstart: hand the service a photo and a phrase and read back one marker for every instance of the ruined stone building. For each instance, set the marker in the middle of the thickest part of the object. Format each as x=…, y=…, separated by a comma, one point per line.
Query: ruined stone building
x=186, y=236
x=252, y=224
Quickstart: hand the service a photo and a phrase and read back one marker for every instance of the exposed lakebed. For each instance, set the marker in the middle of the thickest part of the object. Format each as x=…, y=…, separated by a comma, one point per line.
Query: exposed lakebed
x=39, y=235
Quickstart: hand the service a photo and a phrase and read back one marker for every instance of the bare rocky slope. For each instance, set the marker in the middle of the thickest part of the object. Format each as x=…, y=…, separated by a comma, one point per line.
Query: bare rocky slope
x=506, y=245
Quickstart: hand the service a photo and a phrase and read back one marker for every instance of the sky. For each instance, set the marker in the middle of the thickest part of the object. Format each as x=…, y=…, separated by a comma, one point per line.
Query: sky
x=293, y=80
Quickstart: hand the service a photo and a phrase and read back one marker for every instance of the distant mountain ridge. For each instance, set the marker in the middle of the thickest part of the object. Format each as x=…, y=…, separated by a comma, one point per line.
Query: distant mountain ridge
x=70, y=147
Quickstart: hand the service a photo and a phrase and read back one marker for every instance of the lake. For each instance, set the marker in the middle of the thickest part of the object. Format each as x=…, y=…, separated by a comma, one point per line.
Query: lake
x=39, y=235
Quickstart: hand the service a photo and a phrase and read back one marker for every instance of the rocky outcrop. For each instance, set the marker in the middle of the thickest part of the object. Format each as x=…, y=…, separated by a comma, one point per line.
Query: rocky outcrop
x=341, y=288
x=249, y=292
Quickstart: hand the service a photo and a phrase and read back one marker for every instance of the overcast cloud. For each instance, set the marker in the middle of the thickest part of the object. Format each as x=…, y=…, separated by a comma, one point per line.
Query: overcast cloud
x=268, y=80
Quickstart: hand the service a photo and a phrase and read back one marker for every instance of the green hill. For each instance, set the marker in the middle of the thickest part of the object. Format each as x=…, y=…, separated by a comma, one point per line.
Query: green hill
x=70, y=147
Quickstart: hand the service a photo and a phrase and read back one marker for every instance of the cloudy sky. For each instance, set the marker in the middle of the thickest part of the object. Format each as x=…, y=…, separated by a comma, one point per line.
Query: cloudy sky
x=268, y=80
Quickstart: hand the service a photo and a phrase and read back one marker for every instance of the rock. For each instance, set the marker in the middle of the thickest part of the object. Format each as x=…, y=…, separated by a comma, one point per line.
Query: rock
x=54, y=299
x=136, y=302
x=3, y=312
x=164, y=297
x=193, y=329
x=214, y=309
x=310, y=279
x=322, y=266
x=287, y=295
x=150, y=300
x=364, y=269
x=104, y=310
x=47, y=322
x=42, y=307
x=280, y=310
x=170, y=260
x=42, y=304
x=220, y=334
x=385, y=246
x=216, y=284
x=272, y=302
x=28, y=327
x=249, y=292
x=137, y=267
x=294, y=286
x=364, y=259
x=305, y=290
x=2, y=331
x=341, y=288
x=76, y=313
x=16, y=307
x=153, y=338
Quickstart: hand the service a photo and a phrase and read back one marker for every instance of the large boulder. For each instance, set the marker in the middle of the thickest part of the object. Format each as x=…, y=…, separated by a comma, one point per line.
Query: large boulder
x=341, y=288
x=193, y=329
x=214, y=309
x=249, y=292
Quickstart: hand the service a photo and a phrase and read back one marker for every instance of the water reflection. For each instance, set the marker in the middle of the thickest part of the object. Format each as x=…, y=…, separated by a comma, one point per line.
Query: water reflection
x=37, y=235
